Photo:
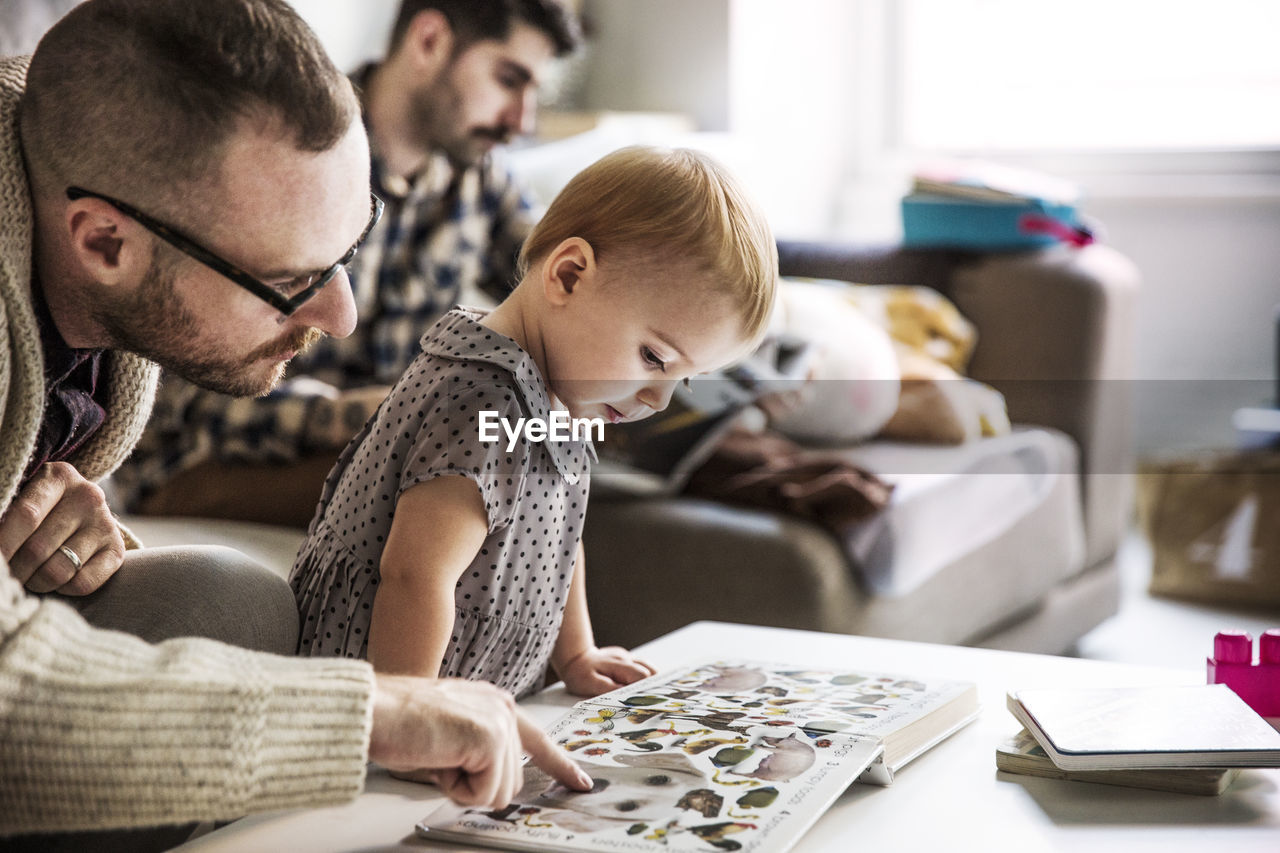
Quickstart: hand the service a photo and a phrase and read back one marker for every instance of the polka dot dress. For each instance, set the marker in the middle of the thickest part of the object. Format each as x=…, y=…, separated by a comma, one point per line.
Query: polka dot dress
x=509, y=601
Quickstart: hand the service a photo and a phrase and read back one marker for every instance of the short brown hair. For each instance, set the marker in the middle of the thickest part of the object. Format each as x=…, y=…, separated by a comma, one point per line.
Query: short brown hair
x=137, y=97
x=641, y=202
x=477, y=20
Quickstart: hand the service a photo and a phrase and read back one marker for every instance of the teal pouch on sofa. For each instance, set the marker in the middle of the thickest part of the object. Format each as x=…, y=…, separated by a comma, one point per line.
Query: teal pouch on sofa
x=946, y=222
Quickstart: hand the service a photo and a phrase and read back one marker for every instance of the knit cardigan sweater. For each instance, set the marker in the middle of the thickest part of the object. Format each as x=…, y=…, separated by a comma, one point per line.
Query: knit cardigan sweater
x=99, y=730
x=131, y=380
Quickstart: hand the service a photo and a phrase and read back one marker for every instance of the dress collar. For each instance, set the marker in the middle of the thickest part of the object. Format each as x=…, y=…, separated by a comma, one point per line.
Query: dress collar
x=458, y=335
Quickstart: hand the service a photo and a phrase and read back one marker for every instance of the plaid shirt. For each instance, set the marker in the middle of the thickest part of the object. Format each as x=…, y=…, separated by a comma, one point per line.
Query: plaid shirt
x=447, y=236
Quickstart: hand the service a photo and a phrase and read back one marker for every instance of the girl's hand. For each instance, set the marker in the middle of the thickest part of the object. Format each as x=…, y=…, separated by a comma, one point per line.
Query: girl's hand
x=597, y=670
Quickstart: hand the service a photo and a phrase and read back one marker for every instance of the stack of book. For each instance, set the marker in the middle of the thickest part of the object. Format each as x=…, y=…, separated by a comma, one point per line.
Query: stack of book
x=1191, y=739
x=985, y=206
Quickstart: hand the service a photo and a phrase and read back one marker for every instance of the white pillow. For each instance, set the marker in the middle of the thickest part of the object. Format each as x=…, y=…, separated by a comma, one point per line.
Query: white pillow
x=855, y=378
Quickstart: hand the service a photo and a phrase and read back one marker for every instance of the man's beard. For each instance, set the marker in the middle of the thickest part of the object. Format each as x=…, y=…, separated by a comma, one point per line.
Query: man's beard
x=436, y=112
x=152, y=322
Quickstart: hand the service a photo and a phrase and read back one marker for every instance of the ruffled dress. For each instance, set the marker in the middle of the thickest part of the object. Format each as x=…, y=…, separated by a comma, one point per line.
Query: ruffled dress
x=510, y=601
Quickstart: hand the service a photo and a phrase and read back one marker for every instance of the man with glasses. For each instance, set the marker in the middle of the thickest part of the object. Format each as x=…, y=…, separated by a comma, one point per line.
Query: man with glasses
x=287, y=297
x=460, y=78
x=181, y=184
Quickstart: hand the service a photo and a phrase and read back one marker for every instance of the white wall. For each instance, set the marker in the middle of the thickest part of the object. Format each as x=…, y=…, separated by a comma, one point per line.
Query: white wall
x=352, y=32
x=1206, y=322
x=660, y=55
x=1212, y=275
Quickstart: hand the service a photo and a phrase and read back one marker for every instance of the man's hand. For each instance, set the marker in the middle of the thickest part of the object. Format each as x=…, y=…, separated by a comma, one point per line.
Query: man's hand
x=58, y=508
x=465, y=736
x=597, y=671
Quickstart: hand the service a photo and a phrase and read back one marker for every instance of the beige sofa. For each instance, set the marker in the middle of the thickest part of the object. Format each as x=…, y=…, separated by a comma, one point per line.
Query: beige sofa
x=1032, y=574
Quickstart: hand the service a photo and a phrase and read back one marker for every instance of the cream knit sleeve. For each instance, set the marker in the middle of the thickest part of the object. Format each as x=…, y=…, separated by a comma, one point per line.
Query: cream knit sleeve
x=100, y=730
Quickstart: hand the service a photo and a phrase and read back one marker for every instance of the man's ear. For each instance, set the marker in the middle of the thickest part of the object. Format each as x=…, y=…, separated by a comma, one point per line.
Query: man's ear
x=429, y=41
x=109, y=245
x=570, y=265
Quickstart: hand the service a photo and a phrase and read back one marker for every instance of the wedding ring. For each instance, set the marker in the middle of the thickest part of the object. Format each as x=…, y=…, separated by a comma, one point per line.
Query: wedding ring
x=71, y=555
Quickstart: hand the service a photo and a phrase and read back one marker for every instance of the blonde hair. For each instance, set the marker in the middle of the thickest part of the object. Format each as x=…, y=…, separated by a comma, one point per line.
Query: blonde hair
x=673, y=203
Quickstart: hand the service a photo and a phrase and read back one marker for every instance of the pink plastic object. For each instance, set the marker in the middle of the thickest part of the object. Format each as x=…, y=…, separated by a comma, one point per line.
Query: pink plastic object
x=1256, y=682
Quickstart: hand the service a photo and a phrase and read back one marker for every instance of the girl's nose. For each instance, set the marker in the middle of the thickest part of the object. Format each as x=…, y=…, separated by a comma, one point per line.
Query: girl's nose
x=658, y=395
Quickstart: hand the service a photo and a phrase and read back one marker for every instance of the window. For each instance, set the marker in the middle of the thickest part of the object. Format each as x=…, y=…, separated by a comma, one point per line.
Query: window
x=1091, y=75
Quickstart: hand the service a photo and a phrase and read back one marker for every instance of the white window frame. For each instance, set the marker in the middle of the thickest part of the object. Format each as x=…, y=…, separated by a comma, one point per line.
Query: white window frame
x=1113, y=174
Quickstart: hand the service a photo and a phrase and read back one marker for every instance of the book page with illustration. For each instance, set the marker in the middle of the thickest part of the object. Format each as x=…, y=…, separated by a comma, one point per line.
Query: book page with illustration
x=724, y=756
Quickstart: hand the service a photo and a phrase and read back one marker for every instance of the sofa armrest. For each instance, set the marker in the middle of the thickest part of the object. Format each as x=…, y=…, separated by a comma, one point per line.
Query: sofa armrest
x=1055, y=336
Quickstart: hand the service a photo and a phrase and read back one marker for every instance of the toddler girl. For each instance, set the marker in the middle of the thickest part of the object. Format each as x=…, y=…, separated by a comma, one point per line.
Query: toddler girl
x=437, y=552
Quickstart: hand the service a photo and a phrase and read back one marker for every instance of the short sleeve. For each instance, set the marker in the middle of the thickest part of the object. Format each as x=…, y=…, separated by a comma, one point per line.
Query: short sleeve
x=450, y=441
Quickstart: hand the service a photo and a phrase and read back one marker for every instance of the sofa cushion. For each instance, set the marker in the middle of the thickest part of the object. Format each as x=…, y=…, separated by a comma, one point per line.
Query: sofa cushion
x=996, y=580
x=655, y=565
x=954, y=500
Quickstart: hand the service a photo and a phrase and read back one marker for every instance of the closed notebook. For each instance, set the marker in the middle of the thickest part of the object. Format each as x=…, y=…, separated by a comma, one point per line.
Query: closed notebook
x=1113, y=728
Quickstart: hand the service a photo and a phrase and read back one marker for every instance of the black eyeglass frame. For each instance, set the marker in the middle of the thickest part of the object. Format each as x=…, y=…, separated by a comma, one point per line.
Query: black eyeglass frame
x=286, y=305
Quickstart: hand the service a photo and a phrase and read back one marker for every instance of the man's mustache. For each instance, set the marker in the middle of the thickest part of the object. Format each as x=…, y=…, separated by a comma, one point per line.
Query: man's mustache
x=298, y=341
x=499, y=135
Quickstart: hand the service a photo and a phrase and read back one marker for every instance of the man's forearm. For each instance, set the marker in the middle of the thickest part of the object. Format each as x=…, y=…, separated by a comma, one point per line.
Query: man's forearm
x=105, y=731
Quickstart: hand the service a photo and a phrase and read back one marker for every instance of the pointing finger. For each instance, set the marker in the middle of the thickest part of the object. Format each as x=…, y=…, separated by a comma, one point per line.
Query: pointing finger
x=546, y=755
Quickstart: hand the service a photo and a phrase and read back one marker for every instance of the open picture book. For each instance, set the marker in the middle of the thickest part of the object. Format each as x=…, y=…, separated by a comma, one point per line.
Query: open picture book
x=729, y=755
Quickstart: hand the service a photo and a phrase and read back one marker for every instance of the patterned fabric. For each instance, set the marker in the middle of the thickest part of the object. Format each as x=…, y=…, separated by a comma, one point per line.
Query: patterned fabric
x=446, y=236
x=510, y=600
x=74, y=404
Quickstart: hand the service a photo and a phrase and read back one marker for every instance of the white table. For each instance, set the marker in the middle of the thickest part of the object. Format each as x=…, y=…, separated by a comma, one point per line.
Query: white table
x=950, y=799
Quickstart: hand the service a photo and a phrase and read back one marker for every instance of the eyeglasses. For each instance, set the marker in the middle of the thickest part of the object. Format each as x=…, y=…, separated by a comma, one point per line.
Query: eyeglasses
x=285, y=298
